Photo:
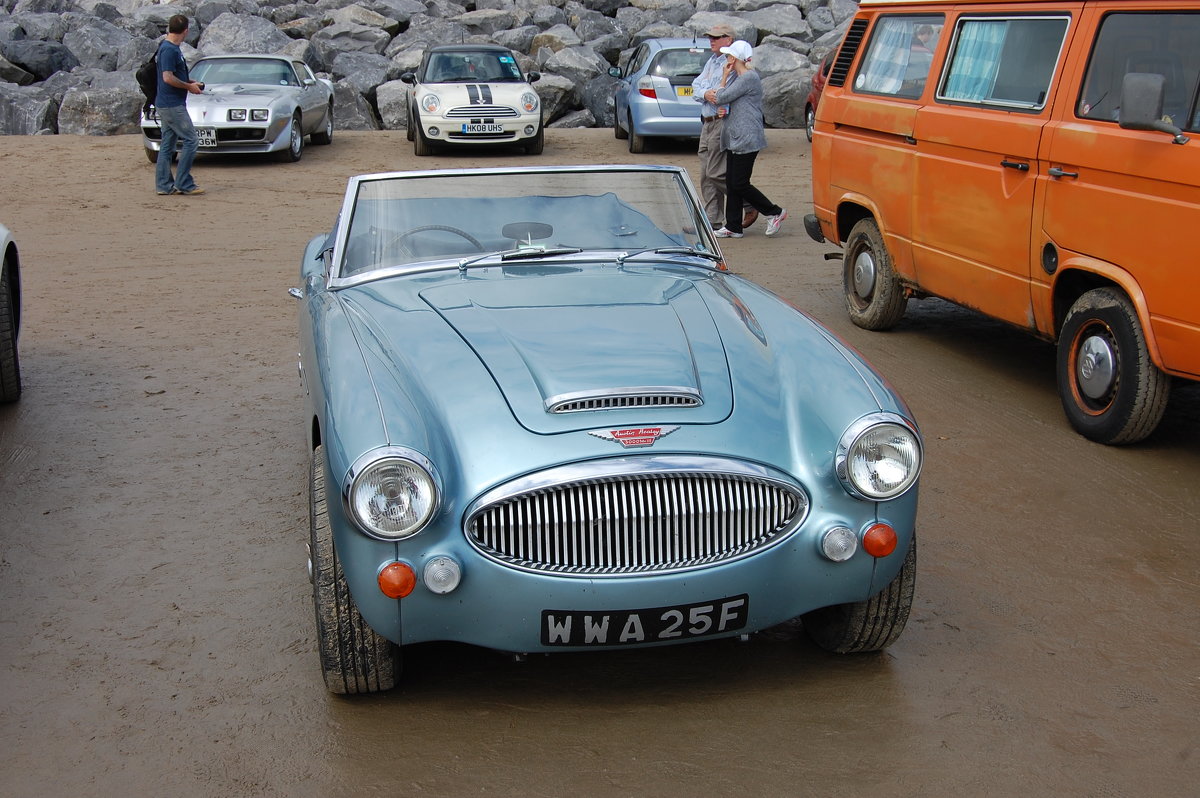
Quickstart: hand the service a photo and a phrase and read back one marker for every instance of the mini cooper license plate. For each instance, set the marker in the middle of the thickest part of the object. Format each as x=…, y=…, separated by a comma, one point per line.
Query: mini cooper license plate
x=627, y=627
x=481, y=128
x=206, y=137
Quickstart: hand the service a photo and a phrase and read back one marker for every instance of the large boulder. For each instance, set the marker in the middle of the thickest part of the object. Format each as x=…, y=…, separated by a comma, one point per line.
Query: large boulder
x=391, y=99
x=100, y=112
x=97, y=43
x=40, y=59
x=783, y=98
x=241, y=33
x=558, y=95
x=365, y=71
x=11, y=73
x=25, y=111
x=353, y=110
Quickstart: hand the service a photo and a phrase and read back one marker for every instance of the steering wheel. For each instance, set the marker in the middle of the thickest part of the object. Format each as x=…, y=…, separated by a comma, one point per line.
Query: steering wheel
x=398, y=241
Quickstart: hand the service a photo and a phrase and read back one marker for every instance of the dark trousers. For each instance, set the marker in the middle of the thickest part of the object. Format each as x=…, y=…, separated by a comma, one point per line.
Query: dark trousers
x=738, y=168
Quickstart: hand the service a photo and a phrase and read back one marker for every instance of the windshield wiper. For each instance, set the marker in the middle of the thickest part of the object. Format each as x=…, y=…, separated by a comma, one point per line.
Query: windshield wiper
x=521, y=253
x=699, y=253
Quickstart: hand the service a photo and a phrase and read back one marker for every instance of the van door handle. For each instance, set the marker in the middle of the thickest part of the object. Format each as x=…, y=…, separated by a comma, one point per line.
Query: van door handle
x=1054, y=171
x=1020, y=167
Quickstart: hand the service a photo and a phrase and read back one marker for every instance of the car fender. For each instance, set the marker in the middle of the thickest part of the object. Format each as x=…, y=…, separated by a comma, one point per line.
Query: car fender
x=1073, y=265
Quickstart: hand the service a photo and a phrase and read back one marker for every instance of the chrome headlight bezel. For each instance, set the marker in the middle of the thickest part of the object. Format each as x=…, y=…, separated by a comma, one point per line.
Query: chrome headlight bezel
x=430, y=103
x=530, y=102
x=360, y=489
x=863, y=436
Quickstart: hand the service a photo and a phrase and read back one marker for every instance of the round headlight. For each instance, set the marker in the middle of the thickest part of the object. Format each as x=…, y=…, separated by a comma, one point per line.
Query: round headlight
x=393, y=496
x=529, y=102
x=879, y=457
x=430, y=103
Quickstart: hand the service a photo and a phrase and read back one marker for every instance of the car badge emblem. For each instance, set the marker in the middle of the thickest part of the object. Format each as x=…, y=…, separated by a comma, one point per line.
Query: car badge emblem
x=635, y=437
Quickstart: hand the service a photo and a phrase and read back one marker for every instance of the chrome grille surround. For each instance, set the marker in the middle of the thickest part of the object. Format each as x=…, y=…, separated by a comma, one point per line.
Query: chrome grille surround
x=624, y=399
x=473, y=111
x=636, y=515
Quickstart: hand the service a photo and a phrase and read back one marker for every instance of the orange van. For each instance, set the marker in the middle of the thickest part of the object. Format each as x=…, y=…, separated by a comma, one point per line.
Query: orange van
x=1037, y=161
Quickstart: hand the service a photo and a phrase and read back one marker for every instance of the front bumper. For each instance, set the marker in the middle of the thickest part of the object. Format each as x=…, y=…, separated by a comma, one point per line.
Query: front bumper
x=481, y=130
x=246, y=137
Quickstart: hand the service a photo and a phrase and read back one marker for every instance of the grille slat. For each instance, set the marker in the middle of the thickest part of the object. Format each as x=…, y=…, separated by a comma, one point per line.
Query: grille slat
x=472, y=111
x=624, y=402
x=636, y=523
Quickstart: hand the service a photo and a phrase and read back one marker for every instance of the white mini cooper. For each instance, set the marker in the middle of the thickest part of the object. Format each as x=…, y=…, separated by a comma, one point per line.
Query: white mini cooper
x=472, y=94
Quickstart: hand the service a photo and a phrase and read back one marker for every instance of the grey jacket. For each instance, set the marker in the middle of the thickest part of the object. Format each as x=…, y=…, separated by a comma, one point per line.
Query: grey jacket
x=743, y=130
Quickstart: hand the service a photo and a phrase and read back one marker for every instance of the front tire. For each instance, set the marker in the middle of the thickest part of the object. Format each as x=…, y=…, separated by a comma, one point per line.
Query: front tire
x=875, y=299
x=151, y=155
x=10, y=364
x=810, y=121
x=870, y=625
x=1110, y=388
x=421, y=145
x=325, y=134
x=637, y=144
x=535, y=145
x=295, y=148
x=354, y=657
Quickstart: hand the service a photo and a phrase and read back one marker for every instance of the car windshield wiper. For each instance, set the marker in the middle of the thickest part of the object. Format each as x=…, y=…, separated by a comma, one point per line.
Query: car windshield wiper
x=699, y=253
x=520, y=253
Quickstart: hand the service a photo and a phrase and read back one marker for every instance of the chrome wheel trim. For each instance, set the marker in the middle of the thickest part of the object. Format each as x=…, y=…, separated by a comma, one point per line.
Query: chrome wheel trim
x=1096, y=367
x=864, y=273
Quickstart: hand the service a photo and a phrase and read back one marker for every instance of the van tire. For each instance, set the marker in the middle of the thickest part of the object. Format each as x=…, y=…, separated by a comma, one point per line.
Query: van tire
x=1110, y=388
x=875, y=299
x=810, y=121
x=870, y=625
x=354, y=657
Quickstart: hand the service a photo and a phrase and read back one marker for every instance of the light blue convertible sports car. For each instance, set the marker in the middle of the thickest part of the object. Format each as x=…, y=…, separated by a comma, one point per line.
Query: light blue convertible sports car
x=543, y=417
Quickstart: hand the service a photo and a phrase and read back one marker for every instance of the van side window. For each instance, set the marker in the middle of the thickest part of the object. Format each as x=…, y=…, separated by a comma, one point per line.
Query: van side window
x=1163, y=44
x=1004, y=62
x=900, y=55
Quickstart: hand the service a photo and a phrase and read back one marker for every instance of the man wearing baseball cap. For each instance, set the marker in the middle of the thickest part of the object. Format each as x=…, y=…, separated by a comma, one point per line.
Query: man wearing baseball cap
x=712, y=154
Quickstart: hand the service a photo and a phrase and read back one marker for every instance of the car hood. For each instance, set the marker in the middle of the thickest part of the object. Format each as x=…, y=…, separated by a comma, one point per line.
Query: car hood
x=236, y=95
x=603, y=334
x=591, y=338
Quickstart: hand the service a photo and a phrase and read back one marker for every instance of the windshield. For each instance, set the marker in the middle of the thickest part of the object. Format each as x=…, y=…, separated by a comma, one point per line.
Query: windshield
x=247, y=71
x=484, y=66
x=394, y=221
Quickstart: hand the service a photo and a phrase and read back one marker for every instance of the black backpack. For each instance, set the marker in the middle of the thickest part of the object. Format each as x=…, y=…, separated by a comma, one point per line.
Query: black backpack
x=147, y=78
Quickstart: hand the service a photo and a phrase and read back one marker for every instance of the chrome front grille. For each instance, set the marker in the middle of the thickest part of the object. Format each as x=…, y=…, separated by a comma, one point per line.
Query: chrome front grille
x=637, y=522
x=475, y=111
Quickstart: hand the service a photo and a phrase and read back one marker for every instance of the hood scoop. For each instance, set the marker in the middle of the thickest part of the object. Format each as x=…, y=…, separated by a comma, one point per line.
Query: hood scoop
x=631, y=399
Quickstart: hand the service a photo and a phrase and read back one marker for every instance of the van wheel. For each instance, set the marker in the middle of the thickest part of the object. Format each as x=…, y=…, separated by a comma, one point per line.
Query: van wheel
x=870, y=625
x=875, y=298
x=810, y=121
x=637, y=144
x=354, y=657
x=1110, y=388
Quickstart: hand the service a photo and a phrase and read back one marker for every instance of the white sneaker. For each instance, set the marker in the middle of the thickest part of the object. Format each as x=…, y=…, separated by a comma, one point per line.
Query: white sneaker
x=725, y=232
x=773, y=222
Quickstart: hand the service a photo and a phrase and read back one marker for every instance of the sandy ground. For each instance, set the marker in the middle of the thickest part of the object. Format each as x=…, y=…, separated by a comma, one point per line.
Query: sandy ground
x=155, y=627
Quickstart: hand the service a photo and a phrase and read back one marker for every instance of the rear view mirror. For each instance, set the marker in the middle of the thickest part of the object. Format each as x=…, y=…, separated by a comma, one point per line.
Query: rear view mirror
x=1142, y=104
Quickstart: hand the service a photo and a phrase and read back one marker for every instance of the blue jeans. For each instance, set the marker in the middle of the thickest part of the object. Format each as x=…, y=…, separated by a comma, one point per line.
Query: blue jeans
x=177, y=128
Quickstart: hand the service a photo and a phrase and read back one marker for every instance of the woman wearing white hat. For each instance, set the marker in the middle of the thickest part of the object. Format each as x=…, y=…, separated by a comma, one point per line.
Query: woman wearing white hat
x=742, y=136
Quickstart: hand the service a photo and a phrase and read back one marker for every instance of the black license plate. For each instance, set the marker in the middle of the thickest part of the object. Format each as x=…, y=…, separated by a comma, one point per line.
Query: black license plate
x=657, y=624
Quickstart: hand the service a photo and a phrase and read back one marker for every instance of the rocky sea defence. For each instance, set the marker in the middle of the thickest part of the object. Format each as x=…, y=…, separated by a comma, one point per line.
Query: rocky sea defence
x=66, y=66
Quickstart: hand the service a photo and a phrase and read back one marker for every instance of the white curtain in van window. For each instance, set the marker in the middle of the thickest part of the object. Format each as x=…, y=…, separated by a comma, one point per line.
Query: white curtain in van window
x=976, y=60
x=887, y=63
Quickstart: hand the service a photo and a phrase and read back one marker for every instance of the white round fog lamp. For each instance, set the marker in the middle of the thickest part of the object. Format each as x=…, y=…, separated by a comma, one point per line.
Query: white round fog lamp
x=879, y=458
x=393, y=497
x=839, y=544
x=441, y=575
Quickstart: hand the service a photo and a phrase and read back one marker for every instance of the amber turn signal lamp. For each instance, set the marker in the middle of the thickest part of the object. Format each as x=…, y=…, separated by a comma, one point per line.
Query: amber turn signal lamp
x=879, y=541
x=397, y=580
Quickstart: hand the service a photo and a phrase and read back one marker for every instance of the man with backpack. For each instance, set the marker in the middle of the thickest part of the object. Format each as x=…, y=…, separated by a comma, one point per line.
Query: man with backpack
x=174, y=85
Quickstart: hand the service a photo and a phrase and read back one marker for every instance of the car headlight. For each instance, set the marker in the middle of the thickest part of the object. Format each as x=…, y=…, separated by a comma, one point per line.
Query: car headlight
x=237, y=114
x=879, y=457
x=529, y=102
x=392, y=493
x=260, y=114
x=430, y=103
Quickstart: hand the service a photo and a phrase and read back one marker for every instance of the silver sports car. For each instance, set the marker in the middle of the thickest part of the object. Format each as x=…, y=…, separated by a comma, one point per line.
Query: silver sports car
x=253, y=103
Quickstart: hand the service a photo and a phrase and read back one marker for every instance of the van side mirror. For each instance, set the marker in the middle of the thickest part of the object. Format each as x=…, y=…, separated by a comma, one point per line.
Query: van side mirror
x=1142, y=104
